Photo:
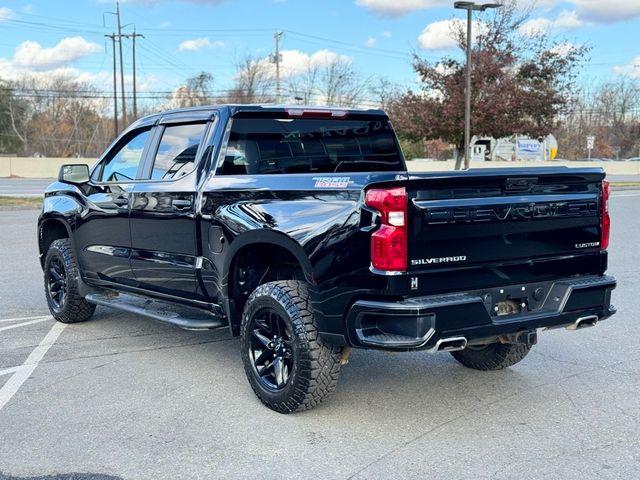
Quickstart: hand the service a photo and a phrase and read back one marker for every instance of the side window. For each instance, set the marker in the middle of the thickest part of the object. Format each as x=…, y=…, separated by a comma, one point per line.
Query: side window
x=124, y=164
x=176, y=155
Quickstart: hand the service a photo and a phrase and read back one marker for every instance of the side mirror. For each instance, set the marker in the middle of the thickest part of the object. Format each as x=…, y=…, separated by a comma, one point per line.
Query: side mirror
x=74, y=173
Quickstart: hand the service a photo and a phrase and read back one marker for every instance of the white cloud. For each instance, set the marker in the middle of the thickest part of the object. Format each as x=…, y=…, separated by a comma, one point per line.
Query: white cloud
x=566, y=20
x=631, y=70
x=198, y=44
x=5, y=14
x=370, y=42
x=156, y=2
x=563, y=49
x=536, y=26
x=595, y=11
x=602, y=11
x=295, y=62
x=45, y=65
x=386, y=34
x=32, y=55
x=397, y=8
x=440, y=35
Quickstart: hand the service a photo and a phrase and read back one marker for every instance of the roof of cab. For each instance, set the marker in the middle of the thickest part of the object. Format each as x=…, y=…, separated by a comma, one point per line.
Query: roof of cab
x=201, y=112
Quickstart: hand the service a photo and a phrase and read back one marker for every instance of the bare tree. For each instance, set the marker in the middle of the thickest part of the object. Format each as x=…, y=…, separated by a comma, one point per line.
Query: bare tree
x=334, y=82
x=253, y=82
x=197, y=90
x=610, y=112
x=384, y=92
x=55, y=117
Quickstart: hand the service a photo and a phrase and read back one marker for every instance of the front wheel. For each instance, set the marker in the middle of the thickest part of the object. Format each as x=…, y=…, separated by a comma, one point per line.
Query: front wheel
x=287, y=364
x=494, y=356
x=61, y=278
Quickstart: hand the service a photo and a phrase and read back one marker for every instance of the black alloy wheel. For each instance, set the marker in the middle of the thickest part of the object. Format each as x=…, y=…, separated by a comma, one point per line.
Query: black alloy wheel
x=271, y=349
x=57, y=283
x=288, y=365
x=62, y=284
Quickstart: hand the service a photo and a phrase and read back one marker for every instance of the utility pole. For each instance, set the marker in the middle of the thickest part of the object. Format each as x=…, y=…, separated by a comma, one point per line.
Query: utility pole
x=469, y=7
x=277, y=59
x=133, y=36
x=115, y=91
x=124, y=105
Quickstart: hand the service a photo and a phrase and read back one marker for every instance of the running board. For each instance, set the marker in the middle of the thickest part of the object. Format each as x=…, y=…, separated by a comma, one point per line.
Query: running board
x=188, y=318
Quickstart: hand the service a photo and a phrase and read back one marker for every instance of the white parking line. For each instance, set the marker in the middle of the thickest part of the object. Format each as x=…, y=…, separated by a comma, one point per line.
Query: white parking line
x=26, y=369
x=19, y=319
x=7, y=371
x=16, y=325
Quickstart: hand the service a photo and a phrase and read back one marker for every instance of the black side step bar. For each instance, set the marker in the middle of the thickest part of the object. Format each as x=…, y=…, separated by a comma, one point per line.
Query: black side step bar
x=184, y=317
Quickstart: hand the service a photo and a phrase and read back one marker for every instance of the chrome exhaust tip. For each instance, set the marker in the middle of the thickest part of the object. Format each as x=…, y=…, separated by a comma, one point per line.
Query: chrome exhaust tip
x=451, y=344
x=583, y=322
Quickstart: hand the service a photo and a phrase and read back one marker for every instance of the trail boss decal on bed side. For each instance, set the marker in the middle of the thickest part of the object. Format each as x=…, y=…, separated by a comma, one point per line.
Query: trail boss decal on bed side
x=332, y=182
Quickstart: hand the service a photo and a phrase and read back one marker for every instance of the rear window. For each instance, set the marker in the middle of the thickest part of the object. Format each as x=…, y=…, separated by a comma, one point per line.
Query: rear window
x=278, y=145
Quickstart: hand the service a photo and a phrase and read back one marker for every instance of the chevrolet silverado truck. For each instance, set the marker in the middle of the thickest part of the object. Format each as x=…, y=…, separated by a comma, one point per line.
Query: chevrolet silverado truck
x=302, y=232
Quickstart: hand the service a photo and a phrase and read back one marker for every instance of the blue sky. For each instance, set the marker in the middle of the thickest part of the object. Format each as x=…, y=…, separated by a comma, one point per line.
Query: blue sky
x=185, y=37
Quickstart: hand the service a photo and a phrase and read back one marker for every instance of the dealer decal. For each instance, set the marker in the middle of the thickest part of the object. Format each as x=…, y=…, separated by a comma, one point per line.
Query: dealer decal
x=332, y=182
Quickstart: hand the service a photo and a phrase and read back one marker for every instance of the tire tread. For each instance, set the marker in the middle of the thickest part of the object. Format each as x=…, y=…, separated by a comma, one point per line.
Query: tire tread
x=318, y=364
x=495, y=356
x=76, y=308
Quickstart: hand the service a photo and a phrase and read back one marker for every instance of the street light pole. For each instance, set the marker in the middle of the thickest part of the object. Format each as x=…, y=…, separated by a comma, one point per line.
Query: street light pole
x=469, y=7
x=467, y=97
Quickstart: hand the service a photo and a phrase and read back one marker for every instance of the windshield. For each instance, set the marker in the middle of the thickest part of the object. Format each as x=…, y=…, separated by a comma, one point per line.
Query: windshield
x=278, y=145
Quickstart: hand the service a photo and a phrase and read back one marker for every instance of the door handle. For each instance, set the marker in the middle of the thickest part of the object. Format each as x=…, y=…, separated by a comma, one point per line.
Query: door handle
x=121, y=201
x=180, y=204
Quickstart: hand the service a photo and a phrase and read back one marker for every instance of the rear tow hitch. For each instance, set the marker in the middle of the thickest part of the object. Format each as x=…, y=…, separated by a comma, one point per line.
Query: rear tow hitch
x=528, y=338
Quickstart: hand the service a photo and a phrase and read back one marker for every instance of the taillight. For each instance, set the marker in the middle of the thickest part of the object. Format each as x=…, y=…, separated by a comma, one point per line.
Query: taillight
x=389, y=242
x=605, y=226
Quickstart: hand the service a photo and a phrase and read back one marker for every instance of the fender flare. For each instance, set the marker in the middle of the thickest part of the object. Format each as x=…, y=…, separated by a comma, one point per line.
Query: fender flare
x=272, y=237
x=49, y=218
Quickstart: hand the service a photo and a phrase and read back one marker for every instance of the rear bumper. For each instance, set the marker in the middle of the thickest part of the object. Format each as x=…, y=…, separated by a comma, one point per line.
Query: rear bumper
x=468, y=317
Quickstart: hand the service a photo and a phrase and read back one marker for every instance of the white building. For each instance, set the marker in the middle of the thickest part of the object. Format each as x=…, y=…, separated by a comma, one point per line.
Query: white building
x=513, y=148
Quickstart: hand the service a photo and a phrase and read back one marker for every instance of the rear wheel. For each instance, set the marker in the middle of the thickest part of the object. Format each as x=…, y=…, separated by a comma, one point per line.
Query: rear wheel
x=494, y=356
x=287, y=364
x=61, y=284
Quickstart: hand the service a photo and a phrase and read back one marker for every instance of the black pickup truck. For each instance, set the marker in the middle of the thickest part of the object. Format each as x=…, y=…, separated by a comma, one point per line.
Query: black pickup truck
x=301, y=231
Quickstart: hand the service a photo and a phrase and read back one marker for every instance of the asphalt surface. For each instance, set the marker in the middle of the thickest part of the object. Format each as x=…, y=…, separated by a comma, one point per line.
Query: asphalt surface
x=123, y=397
x=27, y=187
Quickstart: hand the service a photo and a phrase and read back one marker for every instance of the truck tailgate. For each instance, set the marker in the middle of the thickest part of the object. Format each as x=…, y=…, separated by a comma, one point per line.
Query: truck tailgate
x=509, y=215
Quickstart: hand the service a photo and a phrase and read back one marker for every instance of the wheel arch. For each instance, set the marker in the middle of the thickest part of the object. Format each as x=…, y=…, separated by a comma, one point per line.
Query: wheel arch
x=267, y=255
x=51, y=228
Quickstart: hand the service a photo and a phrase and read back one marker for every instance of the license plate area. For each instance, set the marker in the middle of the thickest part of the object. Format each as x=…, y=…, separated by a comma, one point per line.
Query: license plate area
x=505, y=302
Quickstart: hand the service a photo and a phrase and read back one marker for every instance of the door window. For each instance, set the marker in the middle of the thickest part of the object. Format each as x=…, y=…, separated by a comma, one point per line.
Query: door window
x=176, y=155
x=123, y=165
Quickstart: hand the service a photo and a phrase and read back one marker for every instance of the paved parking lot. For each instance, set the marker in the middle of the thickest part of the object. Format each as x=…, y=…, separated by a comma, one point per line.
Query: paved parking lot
x=125, y=397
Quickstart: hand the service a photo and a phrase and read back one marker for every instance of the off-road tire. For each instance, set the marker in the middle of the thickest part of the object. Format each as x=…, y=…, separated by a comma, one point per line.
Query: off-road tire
x=494, y=356
x=316, y=365
x=74, y=308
